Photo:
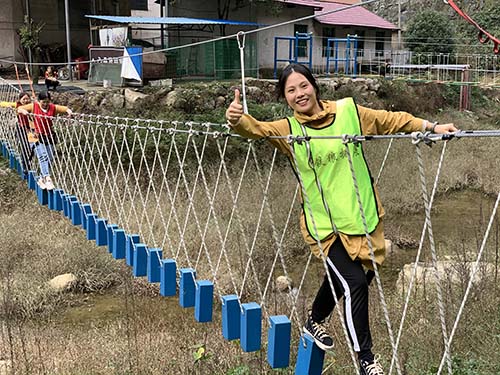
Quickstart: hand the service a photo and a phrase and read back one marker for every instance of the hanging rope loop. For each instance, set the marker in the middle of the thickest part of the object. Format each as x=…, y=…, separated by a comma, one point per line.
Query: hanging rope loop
x=240, y=37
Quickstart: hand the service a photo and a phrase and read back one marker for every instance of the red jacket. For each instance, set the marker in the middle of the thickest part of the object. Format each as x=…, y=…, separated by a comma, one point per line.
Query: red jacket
x=22, y=119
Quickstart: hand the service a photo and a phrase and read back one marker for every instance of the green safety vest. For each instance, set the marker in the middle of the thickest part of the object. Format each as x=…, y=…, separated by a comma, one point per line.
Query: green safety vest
x=324, y=168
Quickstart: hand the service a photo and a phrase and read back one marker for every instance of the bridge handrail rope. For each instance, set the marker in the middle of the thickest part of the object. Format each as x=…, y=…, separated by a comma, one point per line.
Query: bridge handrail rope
x=483, y=36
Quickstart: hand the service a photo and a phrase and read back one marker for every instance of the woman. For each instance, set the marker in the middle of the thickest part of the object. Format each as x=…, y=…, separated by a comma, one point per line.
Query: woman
x=335, y=207
x=44, y=111
x=22, y=130
x=51, y=79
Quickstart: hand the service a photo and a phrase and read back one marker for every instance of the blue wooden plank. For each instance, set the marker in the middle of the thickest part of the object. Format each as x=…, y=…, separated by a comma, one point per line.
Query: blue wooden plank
x=76, y=213
x=168, y=278
x=50, y=199
x=58, y=203
x=119, y=244
x=251, y=326
x=140, y=260
x=310, y=357
x=187, y=287
x=129, y=248
x=91, y=226
x=110, y=228
x=204, y=301
x=231, y=317
x=101, y=232
x=278, y=341
x=154, y=263
x=32, y=180
x=86, y=209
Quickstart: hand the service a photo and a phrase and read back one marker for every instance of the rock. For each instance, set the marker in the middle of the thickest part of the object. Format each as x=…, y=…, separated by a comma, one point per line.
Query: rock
x=220, y=102
x=114, y=101
x=131, y=97
x=449, y=271
x=62, y=282
x=283, y=283
x=171, y=99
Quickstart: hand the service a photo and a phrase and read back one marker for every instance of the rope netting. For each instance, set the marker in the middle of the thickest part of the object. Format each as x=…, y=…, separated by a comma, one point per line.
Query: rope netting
x=223, y=206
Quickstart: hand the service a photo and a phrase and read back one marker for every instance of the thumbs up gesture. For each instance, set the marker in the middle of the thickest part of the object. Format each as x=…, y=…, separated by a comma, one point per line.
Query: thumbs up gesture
x=235, y=109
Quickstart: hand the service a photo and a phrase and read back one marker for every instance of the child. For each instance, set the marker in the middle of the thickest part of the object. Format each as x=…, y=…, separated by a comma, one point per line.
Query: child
x=44, y=110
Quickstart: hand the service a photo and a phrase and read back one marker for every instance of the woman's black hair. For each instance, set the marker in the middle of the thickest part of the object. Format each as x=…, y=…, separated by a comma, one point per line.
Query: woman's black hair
x=297, y=68
x=42, y=95
x=22, y=94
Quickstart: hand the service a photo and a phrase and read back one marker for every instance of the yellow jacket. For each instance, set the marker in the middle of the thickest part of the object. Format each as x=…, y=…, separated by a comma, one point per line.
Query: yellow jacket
x=372, y=122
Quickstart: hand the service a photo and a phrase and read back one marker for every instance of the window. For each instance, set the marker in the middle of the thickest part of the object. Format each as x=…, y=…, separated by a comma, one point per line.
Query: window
x=379, y=43
x=139, y=4
x=302, y=44
x=328, y=32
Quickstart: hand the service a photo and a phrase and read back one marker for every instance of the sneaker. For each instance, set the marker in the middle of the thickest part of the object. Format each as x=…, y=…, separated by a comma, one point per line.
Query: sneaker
x=322, y=339
x=370, y=368
x=41, y=183
x=49, y=185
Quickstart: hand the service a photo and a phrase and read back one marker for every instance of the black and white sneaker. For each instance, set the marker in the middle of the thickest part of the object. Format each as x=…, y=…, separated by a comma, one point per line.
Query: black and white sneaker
x=370, y=368
x=322, y=339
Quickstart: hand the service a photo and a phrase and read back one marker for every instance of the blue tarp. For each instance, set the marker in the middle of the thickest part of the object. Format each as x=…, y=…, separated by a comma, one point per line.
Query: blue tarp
x=170, y=21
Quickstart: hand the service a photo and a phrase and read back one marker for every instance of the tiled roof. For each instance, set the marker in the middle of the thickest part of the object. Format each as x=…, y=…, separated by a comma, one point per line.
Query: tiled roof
x=357, y=16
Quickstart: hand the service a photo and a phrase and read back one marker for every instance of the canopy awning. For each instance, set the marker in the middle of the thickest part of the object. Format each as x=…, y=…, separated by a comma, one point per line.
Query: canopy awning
x=174, y=22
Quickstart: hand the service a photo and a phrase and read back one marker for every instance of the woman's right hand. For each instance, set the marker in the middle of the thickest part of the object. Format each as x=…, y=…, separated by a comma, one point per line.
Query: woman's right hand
x=22, y=111
x=235, y=109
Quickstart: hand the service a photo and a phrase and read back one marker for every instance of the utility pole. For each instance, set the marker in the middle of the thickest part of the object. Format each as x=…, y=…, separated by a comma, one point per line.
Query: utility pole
x=399, y=24
x=30, y=56
x=68, y=38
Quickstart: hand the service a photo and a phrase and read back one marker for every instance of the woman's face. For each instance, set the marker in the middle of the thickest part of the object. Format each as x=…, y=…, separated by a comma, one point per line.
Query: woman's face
x=49, y=69
x=45, y=103
x=25, y=100
x=300, y=94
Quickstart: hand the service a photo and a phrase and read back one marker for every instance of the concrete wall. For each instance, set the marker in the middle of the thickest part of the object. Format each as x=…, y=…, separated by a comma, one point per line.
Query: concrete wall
x=9, y=23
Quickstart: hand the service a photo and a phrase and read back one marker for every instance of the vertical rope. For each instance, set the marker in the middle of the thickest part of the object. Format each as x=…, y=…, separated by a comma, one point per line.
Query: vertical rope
x=372, y=254
x=433, y=253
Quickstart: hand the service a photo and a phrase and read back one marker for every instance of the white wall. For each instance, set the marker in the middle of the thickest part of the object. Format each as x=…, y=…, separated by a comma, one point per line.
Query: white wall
x=153, y=35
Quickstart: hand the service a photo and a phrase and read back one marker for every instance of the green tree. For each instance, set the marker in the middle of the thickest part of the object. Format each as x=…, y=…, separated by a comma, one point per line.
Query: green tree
x=29, y=37
x=429, y=32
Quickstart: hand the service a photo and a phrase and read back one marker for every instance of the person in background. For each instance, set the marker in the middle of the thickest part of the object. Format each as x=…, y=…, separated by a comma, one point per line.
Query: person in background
x=326, y=177
x=51, y=79
x=22, y=131
x=44, y=111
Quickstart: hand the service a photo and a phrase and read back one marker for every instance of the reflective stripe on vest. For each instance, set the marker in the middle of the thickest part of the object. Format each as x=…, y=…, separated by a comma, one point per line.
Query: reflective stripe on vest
x=324, y=162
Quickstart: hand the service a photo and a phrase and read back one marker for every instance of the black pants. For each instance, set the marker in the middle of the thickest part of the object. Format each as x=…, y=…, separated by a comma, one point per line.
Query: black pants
x=50, y=83
x=350, y=281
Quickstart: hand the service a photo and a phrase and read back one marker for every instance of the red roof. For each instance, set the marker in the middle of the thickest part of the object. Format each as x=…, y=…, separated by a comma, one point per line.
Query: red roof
x=357, y=16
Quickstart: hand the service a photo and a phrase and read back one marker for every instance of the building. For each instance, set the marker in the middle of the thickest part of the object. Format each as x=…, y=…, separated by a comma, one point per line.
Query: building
x=51, y=13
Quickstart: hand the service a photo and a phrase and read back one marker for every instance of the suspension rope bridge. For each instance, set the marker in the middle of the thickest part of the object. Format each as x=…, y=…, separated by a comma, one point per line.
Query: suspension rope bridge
x=170, y=199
